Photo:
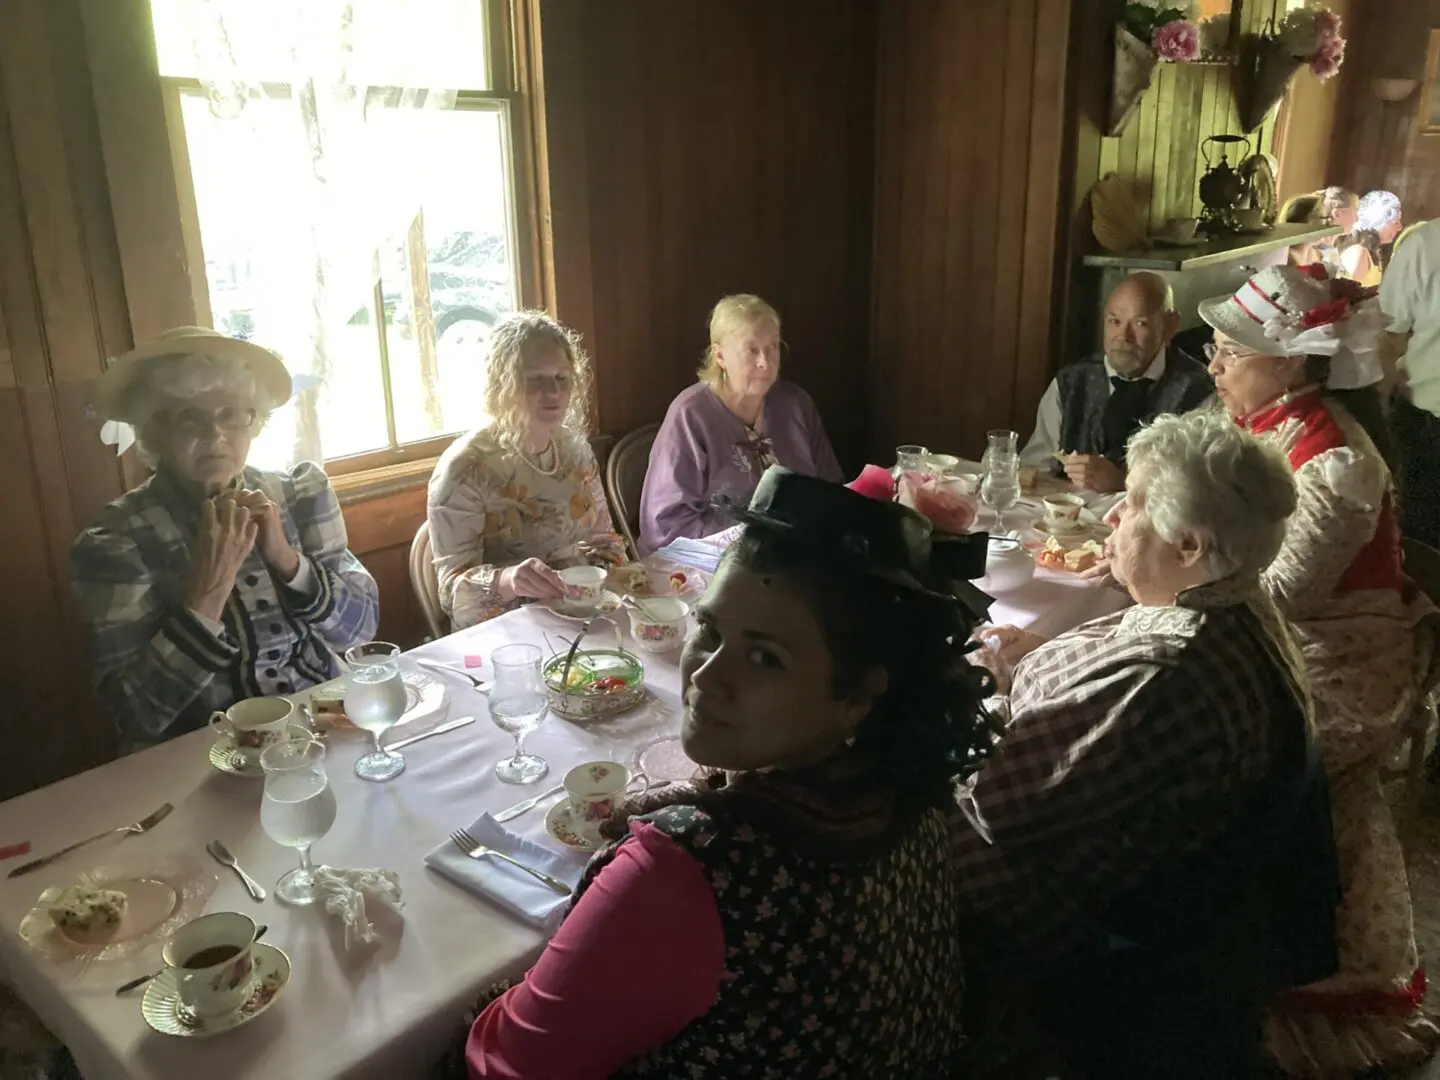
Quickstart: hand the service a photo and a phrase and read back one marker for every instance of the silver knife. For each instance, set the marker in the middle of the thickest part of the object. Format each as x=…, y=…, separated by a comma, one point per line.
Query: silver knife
x=520, y=807
x=449, y=725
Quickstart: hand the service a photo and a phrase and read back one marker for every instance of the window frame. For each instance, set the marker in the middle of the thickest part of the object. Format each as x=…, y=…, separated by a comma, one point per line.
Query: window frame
x=140, y=108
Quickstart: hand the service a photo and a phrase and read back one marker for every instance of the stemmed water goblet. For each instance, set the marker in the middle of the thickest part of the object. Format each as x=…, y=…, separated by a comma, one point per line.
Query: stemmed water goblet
x=518, y=705
x=297, y=809
x=374, y=701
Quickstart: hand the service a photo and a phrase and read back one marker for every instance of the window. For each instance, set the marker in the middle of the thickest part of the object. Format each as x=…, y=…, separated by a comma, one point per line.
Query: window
x=347, y=180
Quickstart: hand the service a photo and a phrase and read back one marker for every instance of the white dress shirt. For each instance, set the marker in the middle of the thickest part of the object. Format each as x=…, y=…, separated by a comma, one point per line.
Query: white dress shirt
x=1410, y=296
x=1045, y=442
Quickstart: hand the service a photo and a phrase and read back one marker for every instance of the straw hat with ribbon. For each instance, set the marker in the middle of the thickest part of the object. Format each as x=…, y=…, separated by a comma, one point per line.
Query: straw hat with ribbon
x=115, y=399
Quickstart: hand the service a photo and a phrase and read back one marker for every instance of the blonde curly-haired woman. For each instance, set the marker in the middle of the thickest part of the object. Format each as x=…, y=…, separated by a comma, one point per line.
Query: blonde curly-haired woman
x=519, y=498
x=724, y=431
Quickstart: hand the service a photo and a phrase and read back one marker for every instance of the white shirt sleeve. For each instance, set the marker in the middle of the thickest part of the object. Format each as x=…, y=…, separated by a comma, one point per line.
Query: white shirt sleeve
x=304, y=581
x=1401, y=287
x=210, y=624
x=1045, y=441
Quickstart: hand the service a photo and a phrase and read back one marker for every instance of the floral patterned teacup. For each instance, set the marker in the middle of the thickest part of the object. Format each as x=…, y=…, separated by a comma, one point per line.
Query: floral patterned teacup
x=584, y=585
x=594, y=789
x=255, y=723
x=214, y=964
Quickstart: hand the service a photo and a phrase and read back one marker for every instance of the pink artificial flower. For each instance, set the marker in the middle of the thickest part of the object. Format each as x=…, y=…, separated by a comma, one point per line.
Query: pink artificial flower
x=1327, y=24
x=1328, y=58
x=1177, y=41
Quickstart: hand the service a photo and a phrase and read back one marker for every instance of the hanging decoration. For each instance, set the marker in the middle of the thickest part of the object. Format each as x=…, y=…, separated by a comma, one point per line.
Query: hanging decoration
x=1147, y=35
x=1309, y=37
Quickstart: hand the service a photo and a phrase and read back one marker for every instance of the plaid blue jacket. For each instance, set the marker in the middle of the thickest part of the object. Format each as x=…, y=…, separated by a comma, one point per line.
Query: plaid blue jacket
x=159, y=669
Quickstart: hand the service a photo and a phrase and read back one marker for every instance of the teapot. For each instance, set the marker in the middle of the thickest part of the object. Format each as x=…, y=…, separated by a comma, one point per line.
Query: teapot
x=1222, y=188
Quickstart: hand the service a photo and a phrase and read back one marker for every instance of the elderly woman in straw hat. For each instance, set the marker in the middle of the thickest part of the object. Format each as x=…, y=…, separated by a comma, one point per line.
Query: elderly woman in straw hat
x=1289, y=349
x=517, y=500
x=212, y=581
x=723, y=432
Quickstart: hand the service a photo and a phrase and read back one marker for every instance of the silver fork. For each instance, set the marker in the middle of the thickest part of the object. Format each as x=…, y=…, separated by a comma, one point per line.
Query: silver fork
x=145, y=824
x=476, y=850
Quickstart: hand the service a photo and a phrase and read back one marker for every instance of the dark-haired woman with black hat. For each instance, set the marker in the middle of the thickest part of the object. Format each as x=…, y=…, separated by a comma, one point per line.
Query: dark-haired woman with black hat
x=794, y=913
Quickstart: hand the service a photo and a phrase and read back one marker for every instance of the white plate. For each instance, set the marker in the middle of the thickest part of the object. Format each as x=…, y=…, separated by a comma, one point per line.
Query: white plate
x=225, y=758
x=162, y=894
x=164, y=1012
x=560, y=824
x=696, y=581
x=424, y=697
x=567, y=609
x=664, y=759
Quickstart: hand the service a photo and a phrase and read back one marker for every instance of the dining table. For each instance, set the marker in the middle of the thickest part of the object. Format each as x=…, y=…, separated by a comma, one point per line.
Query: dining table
x=381, y=1010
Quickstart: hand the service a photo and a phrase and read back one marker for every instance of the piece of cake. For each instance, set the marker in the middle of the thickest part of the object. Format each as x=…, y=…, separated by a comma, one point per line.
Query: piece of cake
x=632, y=578
x=85, y=907
x=1084, y=557
x=1052, y=554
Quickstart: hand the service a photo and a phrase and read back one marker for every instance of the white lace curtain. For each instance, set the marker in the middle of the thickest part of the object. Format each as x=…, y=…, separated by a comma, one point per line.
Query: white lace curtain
x=298, y=178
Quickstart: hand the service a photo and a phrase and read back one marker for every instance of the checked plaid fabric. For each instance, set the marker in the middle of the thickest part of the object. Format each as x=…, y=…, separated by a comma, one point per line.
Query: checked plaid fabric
x=1133, y=738
x=158, y=668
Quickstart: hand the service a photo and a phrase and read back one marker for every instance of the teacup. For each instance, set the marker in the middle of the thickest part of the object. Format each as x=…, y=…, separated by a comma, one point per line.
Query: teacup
x=584, y=585
x=256, y=723
x=214, y=963
x=658, y=624
x=593, y=789
x=1062, y=512
x=1181, y=230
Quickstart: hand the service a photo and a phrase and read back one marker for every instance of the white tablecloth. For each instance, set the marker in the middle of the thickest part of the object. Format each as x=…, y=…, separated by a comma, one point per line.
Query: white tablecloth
x=378, y=1015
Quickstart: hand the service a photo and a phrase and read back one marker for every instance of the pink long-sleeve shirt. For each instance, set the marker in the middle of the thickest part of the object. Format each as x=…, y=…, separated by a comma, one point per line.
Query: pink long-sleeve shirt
x=641, y=956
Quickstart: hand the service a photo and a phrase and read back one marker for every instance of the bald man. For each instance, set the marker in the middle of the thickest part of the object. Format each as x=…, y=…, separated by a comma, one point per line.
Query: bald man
x=1092, y=407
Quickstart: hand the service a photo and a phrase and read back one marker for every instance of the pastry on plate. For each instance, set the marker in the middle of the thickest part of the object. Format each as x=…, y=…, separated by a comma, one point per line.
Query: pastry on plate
x=632, y=578
x=85, y=907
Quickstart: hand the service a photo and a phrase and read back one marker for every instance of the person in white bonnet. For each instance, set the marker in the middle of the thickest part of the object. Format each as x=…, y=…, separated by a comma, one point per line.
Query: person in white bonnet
x=1283, y=344
x=1377, y=223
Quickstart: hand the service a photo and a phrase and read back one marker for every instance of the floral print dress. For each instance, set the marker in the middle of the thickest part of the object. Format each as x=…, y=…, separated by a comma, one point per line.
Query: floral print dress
x=1367, y=639
x=490, y=508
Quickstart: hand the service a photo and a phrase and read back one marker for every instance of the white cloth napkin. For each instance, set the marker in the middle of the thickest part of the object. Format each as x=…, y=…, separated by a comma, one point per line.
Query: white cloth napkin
x=525, y=897
x=346, y=892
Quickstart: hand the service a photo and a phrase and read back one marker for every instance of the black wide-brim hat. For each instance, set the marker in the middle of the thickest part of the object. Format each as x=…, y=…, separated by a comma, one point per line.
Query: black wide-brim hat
x=865, y=535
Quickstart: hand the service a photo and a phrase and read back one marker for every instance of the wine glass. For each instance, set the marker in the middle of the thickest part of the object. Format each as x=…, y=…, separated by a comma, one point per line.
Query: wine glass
x=374, y=701
x=518, y=705
x=1000, y=489
x=909, y=458
x=297, y=809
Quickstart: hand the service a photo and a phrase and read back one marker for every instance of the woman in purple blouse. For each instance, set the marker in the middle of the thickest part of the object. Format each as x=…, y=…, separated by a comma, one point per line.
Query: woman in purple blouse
x=721, y=434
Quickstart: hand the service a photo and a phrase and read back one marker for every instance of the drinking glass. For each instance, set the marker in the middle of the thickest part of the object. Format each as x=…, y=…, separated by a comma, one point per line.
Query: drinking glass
x=297, y=809
x=1002, y=441
x=518, y=705
x=374, y=701
x=910, y=458
x=1000, y=489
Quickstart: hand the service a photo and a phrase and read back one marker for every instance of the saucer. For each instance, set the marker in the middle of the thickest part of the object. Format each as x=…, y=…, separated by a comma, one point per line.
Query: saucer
x=1046, y=529
x=163, y=1012
x=608, y=604
x=227, y=759
x=560, y=824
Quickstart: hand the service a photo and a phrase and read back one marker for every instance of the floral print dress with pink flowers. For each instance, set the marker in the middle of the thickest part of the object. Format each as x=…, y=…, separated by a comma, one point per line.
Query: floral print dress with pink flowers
x=490, y=508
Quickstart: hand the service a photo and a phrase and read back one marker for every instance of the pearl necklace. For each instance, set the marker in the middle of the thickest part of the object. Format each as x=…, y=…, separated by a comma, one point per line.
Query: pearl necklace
x=534, y=462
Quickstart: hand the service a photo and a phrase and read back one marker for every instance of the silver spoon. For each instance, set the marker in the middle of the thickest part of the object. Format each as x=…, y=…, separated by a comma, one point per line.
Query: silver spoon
x=135, y=984
x=221, y=854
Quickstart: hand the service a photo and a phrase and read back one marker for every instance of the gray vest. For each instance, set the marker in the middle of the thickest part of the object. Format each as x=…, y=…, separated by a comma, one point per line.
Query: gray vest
x=1085, y=389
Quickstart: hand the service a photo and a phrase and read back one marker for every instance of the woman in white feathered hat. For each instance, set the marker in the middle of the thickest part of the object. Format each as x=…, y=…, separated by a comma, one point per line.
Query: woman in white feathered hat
x=1288, y=345
x=211, y=581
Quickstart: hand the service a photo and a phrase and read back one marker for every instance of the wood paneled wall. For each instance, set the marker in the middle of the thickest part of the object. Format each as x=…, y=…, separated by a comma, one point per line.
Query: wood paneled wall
x=970, y=151
x=61, y=313
x=696, y=150
x=1377, y=144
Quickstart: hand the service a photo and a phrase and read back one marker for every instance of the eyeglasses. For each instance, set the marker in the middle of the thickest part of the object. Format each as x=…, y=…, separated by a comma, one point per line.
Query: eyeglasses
x=197, y=422
x=1225, y=356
